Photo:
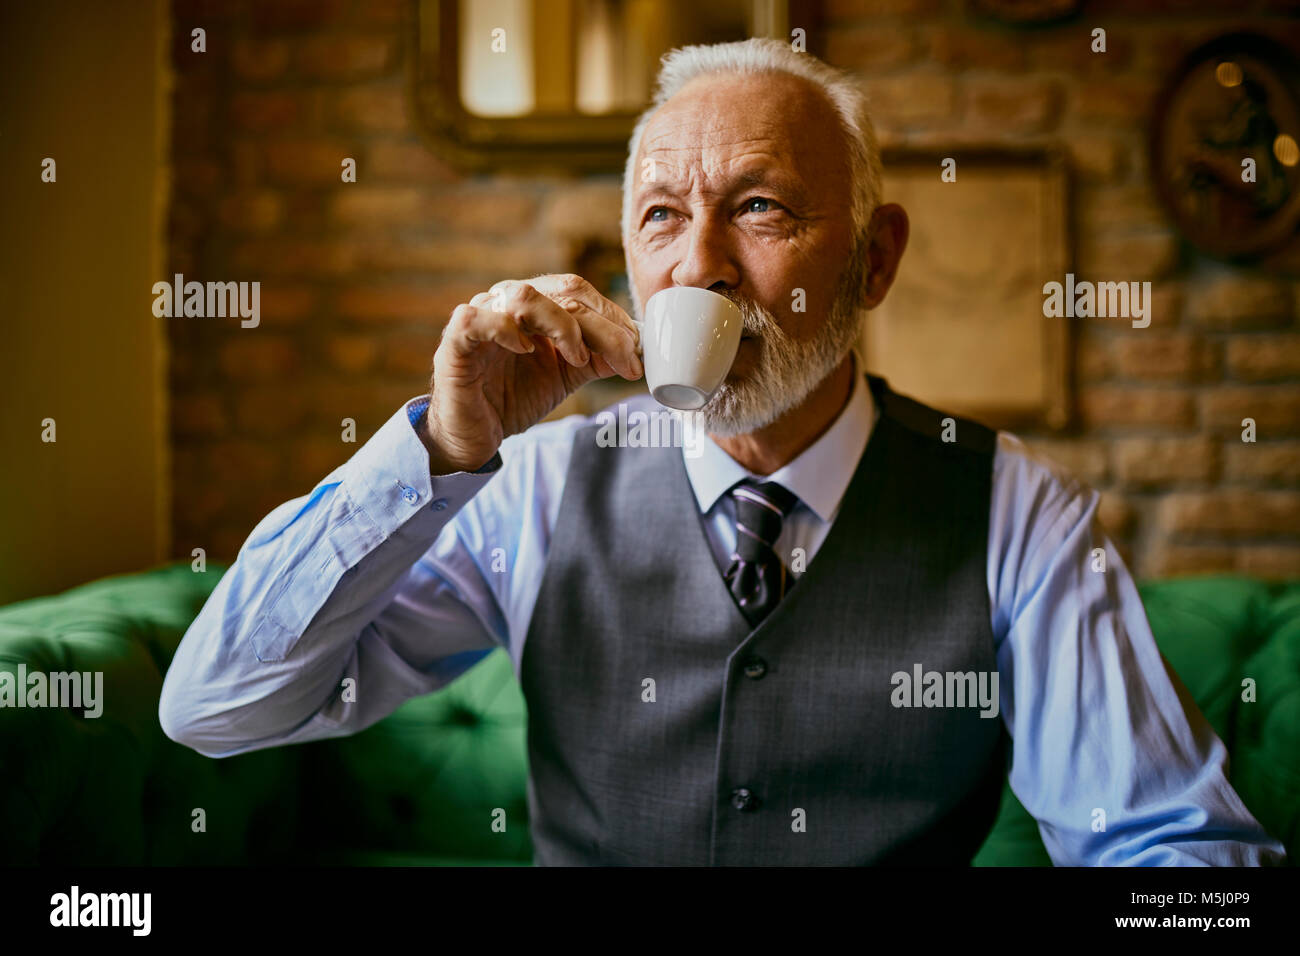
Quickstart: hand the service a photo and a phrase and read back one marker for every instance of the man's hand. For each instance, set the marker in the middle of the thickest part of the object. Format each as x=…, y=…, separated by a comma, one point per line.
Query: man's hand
x=511, y=355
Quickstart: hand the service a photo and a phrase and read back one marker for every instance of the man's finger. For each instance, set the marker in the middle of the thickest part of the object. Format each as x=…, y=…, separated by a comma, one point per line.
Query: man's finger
x=598, y=333
x=563, y=286
x=536, y=313
x=469, y=327
x=606, y=338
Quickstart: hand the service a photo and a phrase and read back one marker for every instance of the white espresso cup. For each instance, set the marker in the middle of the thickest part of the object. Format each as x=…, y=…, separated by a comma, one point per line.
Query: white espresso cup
x=689, y=340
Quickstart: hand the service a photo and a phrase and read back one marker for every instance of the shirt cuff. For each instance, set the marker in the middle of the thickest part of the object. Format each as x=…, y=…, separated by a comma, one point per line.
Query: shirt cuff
x=415, y=410
x=389, y=478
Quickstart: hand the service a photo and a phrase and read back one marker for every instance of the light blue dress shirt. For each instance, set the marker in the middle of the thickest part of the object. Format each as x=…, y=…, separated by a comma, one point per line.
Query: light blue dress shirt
x=403, y=582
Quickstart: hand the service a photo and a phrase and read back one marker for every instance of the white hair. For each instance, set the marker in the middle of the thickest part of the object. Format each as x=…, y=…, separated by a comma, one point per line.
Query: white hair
x=765, y=55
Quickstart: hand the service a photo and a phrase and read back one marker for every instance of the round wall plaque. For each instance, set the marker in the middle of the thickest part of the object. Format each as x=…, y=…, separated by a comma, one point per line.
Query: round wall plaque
x=1224, y=153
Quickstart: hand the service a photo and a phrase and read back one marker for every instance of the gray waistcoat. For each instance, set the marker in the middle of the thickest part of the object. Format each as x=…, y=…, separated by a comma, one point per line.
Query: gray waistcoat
x=777, y=744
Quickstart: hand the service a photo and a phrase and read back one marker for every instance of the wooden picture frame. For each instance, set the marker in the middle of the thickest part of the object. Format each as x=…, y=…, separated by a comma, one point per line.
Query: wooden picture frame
x=963, y=327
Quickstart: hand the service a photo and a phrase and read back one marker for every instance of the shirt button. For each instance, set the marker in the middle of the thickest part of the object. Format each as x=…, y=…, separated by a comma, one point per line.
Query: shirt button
x=743, y=799
x=755, y=668
x=411, y=496
x=439, y=505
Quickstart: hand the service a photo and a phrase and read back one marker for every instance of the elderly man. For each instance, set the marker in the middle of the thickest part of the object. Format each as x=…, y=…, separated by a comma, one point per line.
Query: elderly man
x=792, y=648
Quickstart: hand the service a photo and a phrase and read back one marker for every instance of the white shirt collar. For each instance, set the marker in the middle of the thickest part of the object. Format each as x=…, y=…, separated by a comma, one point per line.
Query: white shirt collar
x=819, y=475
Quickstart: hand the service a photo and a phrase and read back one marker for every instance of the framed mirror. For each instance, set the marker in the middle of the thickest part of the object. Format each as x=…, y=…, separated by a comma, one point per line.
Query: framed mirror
x=557, y=84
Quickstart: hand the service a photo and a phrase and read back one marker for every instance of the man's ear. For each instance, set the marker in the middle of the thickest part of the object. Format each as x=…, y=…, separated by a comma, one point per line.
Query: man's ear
x=887, y=240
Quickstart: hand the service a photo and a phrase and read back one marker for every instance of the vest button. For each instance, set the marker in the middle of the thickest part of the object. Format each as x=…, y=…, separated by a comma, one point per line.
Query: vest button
x=743, y=799
x=755, y=668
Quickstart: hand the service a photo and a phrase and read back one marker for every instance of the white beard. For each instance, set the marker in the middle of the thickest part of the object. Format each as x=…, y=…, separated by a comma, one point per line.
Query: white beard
x=786, y=370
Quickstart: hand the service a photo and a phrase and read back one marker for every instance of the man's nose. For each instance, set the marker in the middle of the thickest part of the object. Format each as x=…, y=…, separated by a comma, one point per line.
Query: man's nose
x=709, y=259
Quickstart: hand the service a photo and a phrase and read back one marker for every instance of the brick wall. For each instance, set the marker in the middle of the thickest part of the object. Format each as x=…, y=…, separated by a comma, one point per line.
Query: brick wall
x=357, y=278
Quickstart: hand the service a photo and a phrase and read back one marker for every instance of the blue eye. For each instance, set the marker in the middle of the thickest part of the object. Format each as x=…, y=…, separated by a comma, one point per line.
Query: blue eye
x=655, y=210
x=749, y=206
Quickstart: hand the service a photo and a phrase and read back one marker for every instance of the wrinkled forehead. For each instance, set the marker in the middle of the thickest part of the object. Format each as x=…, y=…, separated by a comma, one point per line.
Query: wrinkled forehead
x=716, y=125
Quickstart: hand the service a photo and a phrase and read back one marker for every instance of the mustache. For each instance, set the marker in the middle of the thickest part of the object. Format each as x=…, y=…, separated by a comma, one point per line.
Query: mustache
x=758, y=320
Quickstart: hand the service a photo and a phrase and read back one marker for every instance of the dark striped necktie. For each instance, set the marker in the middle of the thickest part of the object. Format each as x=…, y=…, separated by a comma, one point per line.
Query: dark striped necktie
x=757, y=577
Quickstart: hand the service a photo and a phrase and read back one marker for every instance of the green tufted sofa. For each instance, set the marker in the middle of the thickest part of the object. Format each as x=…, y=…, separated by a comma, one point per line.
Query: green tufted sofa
x=420, y=786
